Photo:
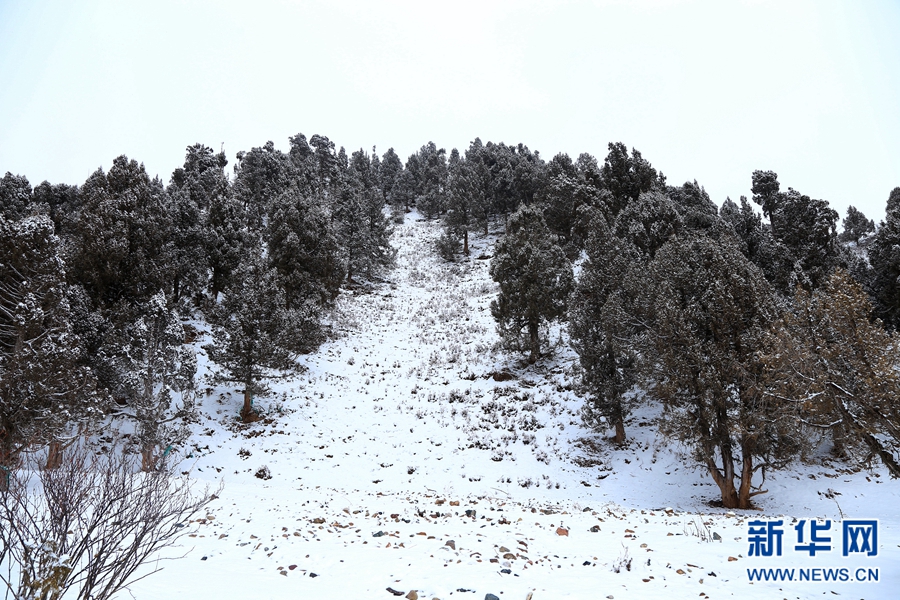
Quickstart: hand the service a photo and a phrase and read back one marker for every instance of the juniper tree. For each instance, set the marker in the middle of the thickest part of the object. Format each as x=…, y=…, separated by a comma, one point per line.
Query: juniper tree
x=884, y=255
x=62, y=201
x=559, y=197
x=804, y=230
x=839, y=368
x=192, y=190
x=260, y=175
x=121, y=248
x=535, y=280
x=255, y=335
x=627, y=177
x=158, y=380
x=648, y=223
x=430, y=171
x=465, y=194
x=225, y=240
x=709, y=308
x=694, y=205
x=856, y=226
x=391, y=167
x=15, y=196
x=602, y=329
x=45, y=387
x=303, y=248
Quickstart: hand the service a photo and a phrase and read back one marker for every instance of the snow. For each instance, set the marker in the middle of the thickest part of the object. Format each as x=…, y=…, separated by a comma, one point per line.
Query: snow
x=397, y=426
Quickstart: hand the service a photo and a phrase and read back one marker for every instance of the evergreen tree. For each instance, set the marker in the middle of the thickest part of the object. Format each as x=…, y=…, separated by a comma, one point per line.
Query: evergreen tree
x=225, y=240
x=839, y=368
x=535, y=280
x=305, y=172
x=62, y=203
x=709, y=308
x=627, y=177
x=391, y=167
x=694, y=205
x=329, y=168
x=804, y=229
x=189, y=194
x=158, y=381
x=261, y=175
x=255, y=335
x=465, y=195
x=648, y=223
x=45, y=388
x=602, y=329
x=15, y=196
x=363, y=228
x=560, y=198
x=884, y=255
x=121, y=246
x=430, y=171
x=404, y=190
x=303, y=249
x=479, y=178
x=856, y=226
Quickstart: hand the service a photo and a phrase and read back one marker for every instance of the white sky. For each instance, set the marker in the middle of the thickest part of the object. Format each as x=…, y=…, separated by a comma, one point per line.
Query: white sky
x=705, y=90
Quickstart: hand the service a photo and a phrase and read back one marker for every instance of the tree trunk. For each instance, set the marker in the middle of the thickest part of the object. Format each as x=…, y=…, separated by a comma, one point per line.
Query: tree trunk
x=215, y=284
x=746, y=478
x=54, y=455
x=724, y=479
x=248, y=415
x=534, y=341
x=620, y=431
x=838, y=439
x=148, y=461
x=466, y=242
x=6, y=465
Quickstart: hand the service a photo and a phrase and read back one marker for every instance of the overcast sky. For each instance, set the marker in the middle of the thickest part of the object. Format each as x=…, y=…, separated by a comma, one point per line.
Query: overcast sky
x=705, y=90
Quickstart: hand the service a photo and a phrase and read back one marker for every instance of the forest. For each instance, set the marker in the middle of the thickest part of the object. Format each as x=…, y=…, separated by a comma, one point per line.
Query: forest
x=761, y=331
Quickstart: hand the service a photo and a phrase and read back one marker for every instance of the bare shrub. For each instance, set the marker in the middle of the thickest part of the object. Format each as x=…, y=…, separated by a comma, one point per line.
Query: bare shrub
x=88, y=526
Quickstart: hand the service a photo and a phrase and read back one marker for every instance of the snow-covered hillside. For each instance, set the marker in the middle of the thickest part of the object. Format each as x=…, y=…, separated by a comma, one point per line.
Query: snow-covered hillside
x=413, y=454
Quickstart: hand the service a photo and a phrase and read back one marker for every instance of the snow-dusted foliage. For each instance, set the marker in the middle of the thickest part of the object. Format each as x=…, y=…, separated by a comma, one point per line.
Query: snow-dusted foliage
x=255, y=332
x=535, y=279
x=46, y=389
x=157, y=381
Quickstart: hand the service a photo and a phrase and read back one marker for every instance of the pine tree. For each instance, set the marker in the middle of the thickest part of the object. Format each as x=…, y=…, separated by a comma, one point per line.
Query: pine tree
x=535, y=280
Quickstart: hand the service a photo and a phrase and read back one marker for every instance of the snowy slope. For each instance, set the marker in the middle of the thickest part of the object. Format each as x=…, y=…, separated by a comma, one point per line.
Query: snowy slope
x=396, y=440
